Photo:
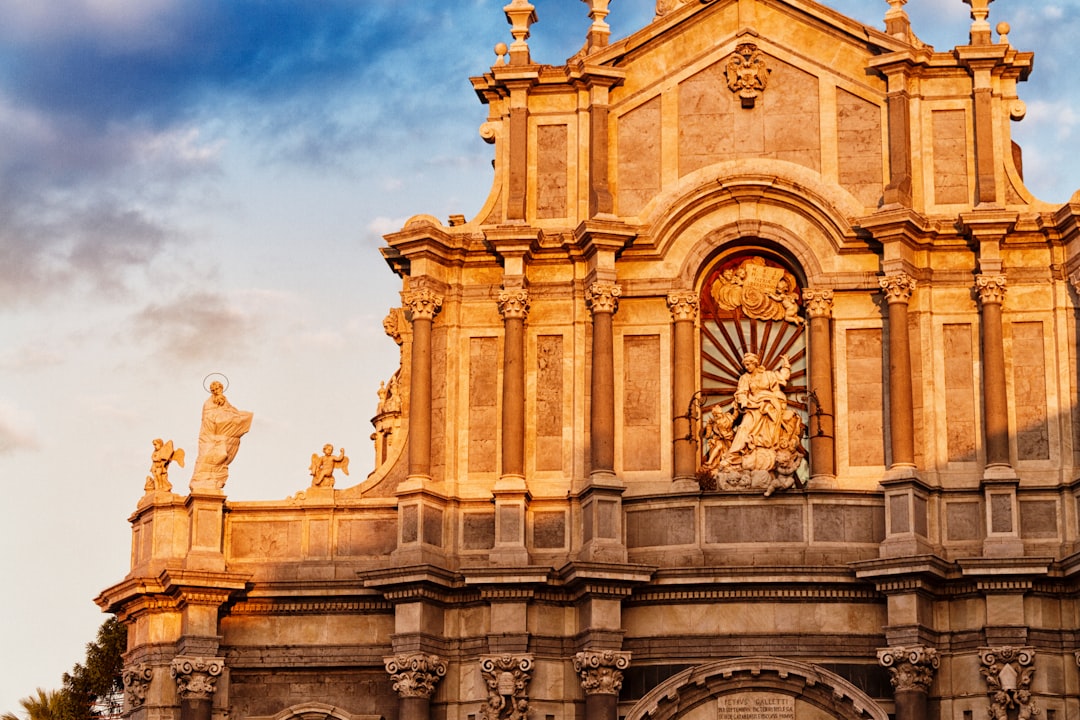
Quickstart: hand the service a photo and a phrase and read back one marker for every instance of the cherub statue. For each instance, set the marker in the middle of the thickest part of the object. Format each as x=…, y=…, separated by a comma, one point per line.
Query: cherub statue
x=163, y=454
x=323, y=466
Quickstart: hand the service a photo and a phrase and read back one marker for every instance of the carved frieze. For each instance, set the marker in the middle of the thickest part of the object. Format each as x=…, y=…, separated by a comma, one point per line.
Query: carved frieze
x=747, y=73
x=601, y=671
x=514, y=304
x=603, y=297
x=196, y=677
x=818, y=303
x=897, y=287
x=991, y=288
x=424, y=303
x=910, y=668
x=415, y=674
x=507, y=678
x=137, y=679
x=683, y=306
x=1008, y=672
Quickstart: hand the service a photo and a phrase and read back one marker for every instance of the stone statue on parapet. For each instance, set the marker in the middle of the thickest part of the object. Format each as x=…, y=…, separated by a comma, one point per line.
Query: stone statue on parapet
x=164, y=453
x=219, y=439
x=323, y=466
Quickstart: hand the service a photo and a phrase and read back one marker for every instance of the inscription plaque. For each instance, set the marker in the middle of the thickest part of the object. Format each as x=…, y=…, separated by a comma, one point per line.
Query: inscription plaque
x=755, y=706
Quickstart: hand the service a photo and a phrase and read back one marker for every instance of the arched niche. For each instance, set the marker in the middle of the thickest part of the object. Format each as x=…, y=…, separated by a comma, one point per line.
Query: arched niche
x=757, y=688
x=316, y=711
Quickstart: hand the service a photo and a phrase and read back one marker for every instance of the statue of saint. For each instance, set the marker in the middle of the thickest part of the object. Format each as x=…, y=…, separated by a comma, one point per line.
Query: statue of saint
x=219, y=437
x=761, y=399
x=163, y=454
x=323, y=466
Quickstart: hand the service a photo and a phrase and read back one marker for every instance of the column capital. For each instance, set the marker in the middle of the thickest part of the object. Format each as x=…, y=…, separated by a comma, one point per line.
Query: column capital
x=683, y=305
x=196, y=677
x=507, y=679
x=424, y=303
x=911, y=668
x=514, y=304
x=897, y=287
x=1008, y=671
x=603, y=297
x=415, y=674
x=991, y=289
x=137, y=679
x=601, y=670
x=818, y=302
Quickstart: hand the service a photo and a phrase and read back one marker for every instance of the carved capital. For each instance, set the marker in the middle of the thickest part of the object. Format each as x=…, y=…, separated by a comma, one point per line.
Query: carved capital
x=507, y=679
x=897, y=287
x=818, y=303
x=1008, y=672
x=137, y=679
x=395, y=325
x=415, y=674
x=1074, y=280
x=423, y=303
x=514, y=304
x=991, y=289
x=911, y=668
x=601, y=670
x=196, y=677
x=603, y=297
x=683, y=305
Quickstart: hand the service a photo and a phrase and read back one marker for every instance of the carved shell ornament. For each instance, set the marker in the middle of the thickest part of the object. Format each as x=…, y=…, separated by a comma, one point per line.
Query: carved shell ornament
x=747, y=73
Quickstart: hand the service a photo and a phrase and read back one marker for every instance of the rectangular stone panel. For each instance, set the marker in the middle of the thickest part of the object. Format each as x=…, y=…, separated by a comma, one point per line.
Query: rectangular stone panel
x=270, y=540
x=510, y=529
x=639, y=157
x=641, y=402
x=755, y=706
x=921, y=515
x=438, y=401
x=410, y=523
x=549, y=402
x=706, y=123
x=549, y=530
x=433, y=525
x=318, y=538
x=551, y=154
x=950, y=156
x=606, y=522
x=483, y=395
x=858, y=131
x=963, y=521
x=1038, y=519
x=373, y=536
x=1001, y=513
x=659, y=527
x=1029, y=391
x=959, y=392
x=478, y=530
x=791, y=116
x=865, y=398
x=848, y=523
x=754, y=523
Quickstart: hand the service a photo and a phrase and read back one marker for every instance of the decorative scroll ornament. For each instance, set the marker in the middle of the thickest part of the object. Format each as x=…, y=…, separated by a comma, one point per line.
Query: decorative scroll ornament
x=991, y=289
x=1008, y=672
x=424, y=304
x=514, y=304
x=911, y=668
x=683, y=306
x=196, y=677
x=758, y=291
x=601, y=670
x=603, y=297
x=897, y=287
x=415, y=674
x=507, y=678
x=818, y=303
x=747, y=73
x=136, y=684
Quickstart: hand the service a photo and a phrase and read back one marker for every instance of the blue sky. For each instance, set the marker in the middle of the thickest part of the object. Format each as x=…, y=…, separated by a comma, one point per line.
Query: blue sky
x=191, y=186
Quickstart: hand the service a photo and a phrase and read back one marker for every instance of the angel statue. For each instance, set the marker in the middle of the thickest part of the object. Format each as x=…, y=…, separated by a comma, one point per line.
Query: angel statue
x=323, y=466
x=163, y=454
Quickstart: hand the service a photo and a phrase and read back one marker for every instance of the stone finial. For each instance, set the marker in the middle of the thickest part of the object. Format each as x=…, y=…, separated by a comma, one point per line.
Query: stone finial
x=911, y=668
x=196, y=677
x=507, y=679
x=1003, y=29
x=603, y=297
x=1008, y=672
x=521, y=15
x=980, y=26
x=897, y=287
x=599, y=31
x=415, y=674
x=424, y=303
x=683, y=305
x=137, y=679
x=991, y=289
x=818, y=303
x=897, y=23
x=514, y=304
x=601, y=670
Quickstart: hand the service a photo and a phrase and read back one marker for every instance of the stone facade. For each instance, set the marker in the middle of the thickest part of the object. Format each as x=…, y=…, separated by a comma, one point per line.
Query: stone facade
x=749, y=392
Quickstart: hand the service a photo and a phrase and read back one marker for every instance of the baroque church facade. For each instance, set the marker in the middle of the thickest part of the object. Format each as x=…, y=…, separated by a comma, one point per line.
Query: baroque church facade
x=750, y=393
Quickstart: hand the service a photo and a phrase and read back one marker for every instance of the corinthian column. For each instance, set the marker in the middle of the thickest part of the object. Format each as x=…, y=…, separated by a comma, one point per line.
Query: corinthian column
x=415, y=676
x=991, y=290
x=601, y=678
x=819, y=304
x=684, y=309
x=898, y=288
x=603, y=300
x=424, y=305
x=196, y=680
x=912, y=670
x=514, y=308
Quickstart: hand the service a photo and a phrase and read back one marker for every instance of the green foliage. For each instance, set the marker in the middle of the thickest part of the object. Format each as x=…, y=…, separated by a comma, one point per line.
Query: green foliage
x=46, y=706
x=96, y=689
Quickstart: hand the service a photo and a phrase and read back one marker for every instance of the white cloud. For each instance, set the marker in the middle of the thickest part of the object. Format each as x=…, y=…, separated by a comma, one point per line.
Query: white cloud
x=16, y=431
